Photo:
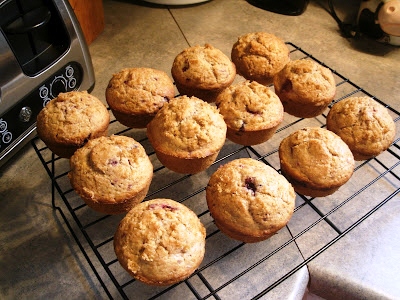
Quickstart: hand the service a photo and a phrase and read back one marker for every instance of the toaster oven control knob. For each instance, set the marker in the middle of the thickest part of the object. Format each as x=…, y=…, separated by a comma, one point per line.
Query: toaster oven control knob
x=3, y=126
x=7, y=137
x=59, y=85
x=25, y=114
x=69, y=71
x=43, y=92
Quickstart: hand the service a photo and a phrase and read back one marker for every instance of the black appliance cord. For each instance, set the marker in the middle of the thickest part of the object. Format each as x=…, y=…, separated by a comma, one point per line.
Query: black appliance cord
x=348, y=30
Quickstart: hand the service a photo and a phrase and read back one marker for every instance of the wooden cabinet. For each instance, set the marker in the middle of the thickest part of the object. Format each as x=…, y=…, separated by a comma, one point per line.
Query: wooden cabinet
x=90, y=14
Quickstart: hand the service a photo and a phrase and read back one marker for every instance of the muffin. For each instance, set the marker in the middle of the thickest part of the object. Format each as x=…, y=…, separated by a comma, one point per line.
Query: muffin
x=316, y=161
x=305, y=88
x=135, y=95
x=252, y=112
x=203, y=72
x=187, y=134
x=249, y=200
x=111, y=174
x=68, y=121
x=259, y=56
x=160, y=242
x=363, y=124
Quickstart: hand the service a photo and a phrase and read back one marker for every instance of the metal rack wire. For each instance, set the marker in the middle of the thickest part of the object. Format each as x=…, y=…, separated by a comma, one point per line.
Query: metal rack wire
x=227, y=268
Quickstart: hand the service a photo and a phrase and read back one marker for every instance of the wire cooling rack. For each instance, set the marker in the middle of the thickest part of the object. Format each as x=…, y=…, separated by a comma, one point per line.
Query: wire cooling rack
x=231, y=269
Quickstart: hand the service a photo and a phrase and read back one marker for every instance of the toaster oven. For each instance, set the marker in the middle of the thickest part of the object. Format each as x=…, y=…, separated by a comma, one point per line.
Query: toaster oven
x=42, y=52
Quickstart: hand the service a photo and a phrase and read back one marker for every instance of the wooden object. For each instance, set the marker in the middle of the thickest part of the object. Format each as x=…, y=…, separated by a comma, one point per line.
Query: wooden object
x=90, y=14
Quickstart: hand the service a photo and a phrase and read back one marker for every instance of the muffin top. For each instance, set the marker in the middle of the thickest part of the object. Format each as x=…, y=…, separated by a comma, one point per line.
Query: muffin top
x=187, y=127
x=250, y=106
x=248, y=196
x=363, y=123
x=71, y=118
x=110, y=169
x=317, y=157
x=259, y=56
x=139, y=90
x=203, y=67
x=160, y=242
x=305, y=81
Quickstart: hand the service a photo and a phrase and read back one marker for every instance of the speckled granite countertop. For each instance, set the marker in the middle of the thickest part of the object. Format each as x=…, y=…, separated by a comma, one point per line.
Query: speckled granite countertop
x=333, y=246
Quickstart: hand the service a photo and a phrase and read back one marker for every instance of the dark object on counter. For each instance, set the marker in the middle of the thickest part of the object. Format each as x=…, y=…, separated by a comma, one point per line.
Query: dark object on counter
x=285, y=7
x=367, y=24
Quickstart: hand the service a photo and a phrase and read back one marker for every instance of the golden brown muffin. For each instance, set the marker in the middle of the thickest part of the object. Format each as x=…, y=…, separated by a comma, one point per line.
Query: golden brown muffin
x=259, y=56
x=252, y=112
x=111, y=174
x=305, y=88
x=68, y=121
x=135, y=95
x=160, y=242
x=363, y=124
x=315, y=161
x=249, y=200
x=187, y=134
x=203, y=72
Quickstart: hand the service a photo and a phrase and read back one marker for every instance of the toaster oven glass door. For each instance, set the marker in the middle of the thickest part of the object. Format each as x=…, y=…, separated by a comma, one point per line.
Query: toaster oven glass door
x=35, y=32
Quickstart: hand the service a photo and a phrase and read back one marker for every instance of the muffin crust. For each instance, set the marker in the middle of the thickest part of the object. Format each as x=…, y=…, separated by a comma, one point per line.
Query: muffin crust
x=135, y=95
x=315, y=161
x=68, y=121
x=190, y=129
x=202, y=71
x=251, y=111
x=364, y=125
x=111, y=174
x=249, y=200
x=305, y=88
x=160, y=242
x=259, y=56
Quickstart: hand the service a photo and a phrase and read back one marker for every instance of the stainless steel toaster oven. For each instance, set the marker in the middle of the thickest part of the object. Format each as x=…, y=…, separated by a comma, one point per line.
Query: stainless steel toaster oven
x=42, y=53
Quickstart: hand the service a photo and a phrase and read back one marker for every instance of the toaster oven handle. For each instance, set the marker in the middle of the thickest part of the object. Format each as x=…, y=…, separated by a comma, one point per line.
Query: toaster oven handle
x=29, y=21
